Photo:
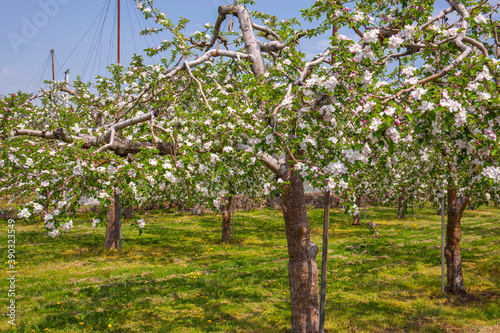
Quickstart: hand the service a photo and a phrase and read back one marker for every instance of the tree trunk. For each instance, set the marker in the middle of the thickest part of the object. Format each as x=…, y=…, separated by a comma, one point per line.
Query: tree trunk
x=440, y=208
x=401, y=207
x=226, y=221
x=302, y=267
x=113, y=227
x=127, y=212
x=454, y=274
x=356, y=217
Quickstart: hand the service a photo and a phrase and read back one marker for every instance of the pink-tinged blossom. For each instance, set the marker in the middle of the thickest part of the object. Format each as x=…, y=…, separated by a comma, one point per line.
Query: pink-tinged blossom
x=452, y=105
x=95, y=222
x=37, y=208
x=410, y=70
x=103, y=195
x=418, y=93
x=484, y=74
x=393, y=134
x=355, y=48
x=490, y=134
x=461, y=118
x=389, y=111
x=472, y=86
x=485, y=96
x=411, y=81
x=371, y=36
x=376, y=122
x=141, y=223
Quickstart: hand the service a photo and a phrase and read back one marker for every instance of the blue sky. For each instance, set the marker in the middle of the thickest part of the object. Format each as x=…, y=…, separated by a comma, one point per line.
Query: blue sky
x=29, y=29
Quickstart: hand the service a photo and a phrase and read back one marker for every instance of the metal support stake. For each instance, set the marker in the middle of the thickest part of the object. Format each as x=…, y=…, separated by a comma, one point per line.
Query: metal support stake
x=323, y=263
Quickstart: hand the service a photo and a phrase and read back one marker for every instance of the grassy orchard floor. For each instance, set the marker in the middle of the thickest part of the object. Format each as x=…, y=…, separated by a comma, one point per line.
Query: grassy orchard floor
x=178, y=277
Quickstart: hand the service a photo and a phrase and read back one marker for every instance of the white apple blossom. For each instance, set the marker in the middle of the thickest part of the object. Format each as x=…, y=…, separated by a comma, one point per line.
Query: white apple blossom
x=395, y=42
x=484, y=96
x=492, y=172
x=336, y=169
x=410, y=70
x=24, y=213
x=355, y=48
x=371, y=36
x=480, y=19
x=418, y=93
x=376, y=122
x=67, y=226
x=95, y=222
x=54, y=233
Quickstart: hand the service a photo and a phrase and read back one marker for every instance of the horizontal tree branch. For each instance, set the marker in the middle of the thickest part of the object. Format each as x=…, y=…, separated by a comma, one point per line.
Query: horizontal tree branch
x=266, y=30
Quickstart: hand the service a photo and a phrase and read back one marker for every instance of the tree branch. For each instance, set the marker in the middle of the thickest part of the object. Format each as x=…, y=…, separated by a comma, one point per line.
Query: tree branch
x=273, y=46
x=266, y=30
x=252, y=46
x=199, y=84
x=273, y=164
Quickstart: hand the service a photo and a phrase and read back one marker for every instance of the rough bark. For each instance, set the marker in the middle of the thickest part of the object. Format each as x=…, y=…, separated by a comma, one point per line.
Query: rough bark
x=127, y=212
x=453, y=254
x=440, y=209
x=302, y=267
x=252, y=46
x=113, y=227
x=356, y=218
x=401, y=207
x=226, y=221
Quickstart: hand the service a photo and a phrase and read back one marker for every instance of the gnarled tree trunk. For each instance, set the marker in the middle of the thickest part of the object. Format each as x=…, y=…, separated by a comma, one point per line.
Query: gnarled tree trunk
x=113, y=227
x=127, y=212
x=302, y=267
x=454, y=274
x=226, y=221
x=401, y=207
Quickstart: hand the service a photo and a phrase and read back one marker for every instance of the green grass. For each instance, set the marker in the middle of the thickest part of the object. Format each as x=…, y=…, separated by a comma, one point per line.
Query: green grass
x=178, y=277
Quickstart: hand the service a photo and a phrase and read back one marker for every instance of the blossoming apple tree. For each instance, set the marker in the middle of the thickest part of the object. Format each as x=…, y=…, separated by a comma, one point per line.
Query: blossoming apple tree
x=249, y=95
